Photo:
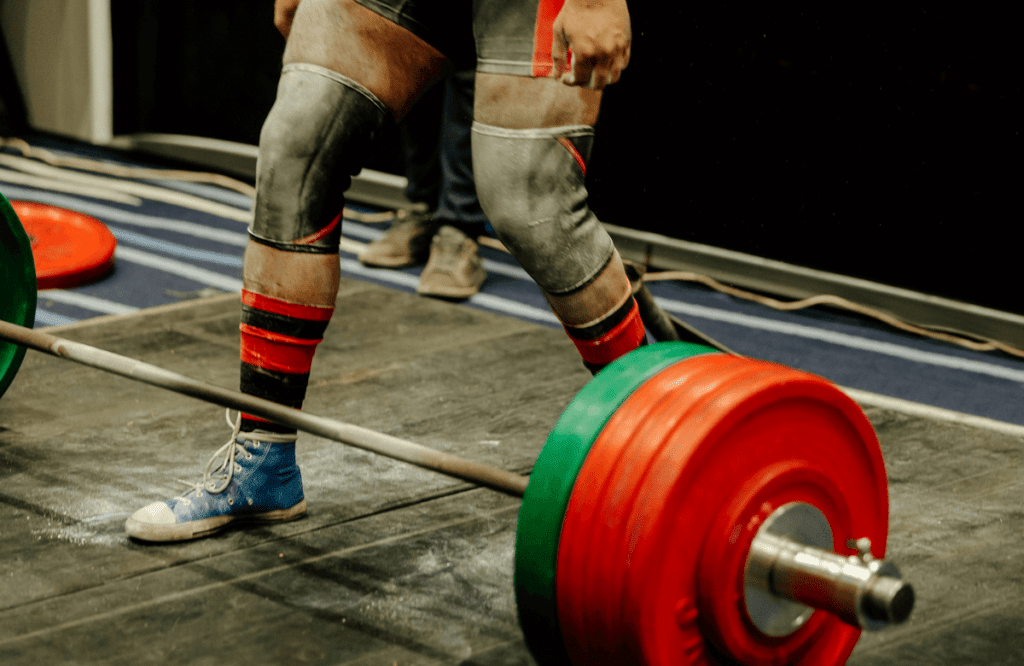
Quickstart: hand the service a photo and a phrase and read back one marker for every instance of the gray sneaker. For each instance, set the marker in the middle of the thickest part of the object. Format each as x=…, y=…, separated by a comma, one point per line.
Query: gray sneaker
x=455, y=268
x=406, y=243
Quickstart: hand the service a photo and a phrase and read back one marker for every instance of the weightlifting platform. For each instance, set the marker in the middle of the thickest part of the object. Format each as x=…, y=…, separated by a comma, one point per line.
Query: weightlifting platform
x=394, y=565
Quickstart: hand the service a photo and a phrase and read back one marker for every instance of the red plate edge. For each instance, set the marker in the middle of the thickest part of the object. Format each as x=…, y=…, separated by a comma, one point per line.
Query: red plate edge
x=90, y=257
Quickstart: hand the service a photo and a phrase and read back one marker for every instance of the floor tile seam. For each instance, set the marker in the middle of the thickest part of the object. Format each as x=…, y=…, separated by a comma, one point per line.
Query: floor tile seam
x=182, y=594
x=911, y=408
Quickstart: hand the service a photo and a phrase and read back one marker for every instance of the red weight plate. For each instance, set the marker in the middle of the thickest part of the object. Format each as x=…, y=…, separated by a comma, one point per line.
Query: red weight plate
x=667, y=502
x=69, y=248
x=593, y=558
x=551, y=481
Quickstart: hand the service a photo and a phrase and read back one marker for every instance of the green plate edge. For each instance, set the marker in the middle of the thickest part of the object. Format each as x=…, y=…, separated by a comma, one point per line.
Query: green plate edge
x=18, y=290
x=547, y=495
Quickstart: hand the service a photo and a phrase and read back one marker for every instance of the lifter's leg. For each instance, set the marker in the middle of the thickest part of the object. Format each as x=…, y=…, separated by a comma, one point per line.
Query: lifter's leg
x=531, y=143
x=347, y=71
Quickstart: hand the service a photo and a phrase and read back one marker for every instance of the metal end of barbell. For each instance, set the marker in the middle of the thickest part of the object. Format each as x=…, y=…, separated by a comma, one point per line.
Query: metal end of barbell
x=886, y=601
x=885, y=598
x=790, y=559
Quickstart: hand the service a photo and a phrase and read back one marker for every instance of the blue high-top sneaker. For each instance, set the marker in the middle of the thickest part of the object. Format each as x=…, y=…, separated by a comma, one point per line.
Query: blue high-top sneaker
x=246, y=480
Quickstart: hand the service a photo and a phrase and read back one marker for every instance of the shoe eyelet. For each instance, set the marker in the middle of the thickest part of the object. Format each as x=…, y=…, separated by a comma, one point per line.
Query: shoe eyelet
x=248, y=456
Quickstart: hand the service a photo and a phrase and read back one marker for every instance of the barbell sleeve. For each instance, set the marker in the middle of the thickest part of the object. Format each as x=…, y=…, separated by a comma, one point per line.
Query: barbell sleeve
x=859, y=589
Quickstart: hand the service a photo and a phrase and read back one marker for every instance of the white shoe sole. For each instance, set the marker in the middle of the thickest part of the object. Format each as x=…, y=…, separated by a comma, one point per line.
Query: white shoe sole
x=200, y=528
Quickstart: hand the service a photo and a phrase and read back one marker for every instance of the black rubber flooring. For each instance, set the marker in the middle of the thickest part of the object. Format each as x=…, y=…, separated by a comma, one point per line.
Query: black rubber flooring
x=393, y=565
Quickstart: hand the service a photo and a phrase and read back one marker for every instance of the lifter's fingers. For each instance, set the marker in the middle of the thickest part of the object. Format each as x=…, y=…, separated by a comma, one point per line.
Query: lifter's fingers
x=570, y=76
x=612, y=72
x=559, y=53
x=598, y=75
x=585, y=73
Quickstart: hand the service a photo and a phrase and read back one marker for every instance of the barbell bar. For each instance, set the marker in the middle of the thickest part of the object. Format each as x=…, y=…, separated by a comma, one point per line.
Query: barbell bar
x=653, y=494
x=363, y=438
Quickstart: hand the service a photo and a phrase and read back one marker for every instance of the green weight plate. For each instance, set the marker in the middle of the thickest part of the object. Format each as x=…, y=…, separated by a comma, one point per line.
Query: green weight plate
x=551, y=482
x=17, y=288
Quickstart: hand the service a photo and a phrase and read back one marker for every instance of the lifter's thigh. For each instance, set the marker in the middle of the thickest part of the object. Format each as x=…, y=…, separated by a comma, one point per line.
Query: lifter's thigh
x=522, y=102
x=343, y=36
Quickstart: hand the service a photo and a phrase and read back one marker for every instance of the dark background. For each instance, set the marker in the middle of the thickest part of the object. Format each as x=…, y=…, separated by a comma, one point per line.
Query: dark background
x=883, y=146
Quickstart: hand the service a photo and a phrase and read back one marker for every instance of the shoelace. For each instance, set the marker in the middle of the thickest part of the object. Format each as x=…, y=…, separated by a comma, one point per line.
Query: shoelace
x=217, y=478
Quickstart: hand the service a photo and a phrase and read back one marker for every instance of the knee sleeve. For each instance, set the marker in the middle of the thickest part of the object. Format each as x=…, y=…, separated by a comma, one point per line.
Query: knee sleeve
x=531, y=186
x=313, y=141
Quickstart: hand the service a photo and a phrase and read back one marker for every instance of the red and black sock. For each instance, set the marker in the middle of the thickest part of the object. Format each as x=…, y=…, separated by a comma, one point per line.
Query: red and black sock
x=278, y=342
x=619, y=333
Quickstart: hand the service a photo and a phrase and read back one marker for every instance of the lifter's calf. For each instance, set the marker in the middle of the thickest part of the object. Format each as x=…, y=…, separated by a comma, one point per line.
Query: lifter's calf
x=601, y=318
x=296, y=277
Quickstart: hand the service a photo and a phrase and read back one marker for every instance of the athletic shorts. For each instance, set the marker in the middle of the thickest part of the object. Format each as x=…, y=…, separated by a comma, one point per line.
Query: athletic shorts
x=504, y=36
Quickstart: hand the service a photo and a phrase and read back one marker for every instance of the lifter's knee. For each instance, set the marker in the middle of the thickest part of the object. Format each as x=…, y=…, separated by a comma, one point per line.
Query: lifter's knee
x=530, y=183
x=314, y=139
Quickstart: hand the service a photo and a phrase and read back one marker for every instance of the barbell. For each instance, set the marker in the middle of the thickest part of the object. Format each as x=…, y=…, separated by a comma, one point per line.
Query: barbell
x=689, y=506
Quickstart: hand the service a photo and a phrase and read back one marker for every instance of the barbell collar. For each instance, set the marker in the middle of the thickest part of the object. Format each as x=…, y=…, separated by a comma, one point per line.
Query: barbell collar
x=363, y=438
x=859, y=589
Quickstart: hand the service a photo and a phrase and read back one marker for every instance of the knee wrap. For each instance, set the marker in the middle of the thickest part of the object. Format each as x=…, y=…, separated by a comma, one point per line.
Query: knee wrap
x=531, y=186
x=312, y=143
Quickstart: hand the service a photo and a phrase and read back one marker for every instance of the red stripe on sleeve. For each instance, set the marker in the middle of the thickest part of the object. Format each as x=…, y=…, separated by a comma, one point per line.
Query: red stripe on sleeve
x=547, y=11
x=272, y=351
x=571, y=147
x=312, y=238
x=295, y=310
x=250, y=417
x=622, y=339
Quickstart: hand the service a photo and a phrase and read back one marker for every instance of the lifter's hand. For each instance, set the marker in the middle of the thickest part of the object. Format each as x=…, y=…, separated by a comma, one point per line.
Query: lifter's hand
x=284, y=13
x=599, y=34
